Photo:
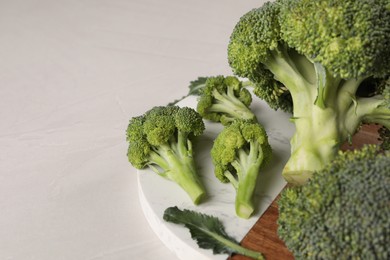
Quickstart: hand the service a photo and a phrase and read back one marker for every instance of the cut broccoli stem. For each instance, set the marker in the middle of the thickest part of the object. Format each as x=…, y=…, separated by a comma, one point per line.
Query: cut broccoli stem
x=180, y=168
x=247, y=171
x=315, y=142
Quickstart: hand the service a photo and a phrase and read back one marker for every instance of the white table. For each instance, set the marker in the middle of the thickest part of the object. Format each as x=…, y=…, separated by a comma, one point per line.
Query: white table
x=72, y=73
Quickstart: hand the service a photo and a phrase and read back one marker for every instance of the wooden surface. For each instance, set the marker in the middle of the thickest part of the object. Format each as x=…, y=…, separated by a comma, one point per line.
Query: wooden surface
x=263, y=237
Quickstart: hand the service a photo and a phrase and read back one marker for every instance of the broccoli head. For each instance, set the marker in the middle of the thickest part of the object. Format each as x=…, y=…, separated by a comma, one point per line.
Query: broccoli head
x=326, y=61
x=224, y=99
x=162, y=140
x=343, y=211
x=238, y=154
x=255, y=40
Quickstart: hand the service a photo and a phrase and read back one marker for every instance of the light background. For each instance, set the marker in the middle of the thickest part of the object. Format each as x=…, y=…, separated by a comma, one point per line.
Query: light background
x=72, y=73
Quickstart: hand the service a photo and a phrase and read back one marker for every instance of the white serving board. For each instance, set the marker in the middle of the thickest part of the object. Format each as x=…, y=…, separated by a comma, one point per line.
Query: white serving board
x=156, y=193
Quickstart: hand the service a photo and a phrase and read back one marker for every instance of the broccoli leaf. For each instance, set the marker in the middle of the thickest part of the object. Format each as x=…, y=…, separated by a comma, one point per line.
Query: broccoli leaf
x=208, y=231
x=197, y=85
x=194, y=89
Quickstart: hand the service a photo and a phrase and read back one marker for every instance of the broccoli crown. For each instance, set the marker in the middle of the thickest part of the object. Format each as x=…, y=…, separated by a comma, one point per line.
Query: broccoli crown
x=238, y=137
x=160, y=126
x=343, y=211
x=254, y=37
x=224, y=99
x=239, y=152
x=254, y=40
x=350, y=38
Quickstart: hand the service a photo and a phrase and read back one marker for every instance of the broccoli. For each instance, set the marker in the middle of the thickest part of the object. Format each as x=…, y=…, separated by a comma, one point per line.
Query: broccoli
x=384, y=137
x=162, y=140
x=343, y=211
x=326, y=61
x=239, y=151
x=224, y=99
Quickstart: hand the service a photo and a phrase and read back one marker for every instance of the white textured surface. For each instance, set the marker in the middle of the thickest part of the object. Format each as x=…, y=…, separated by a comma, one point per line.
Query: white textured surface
x=157, y=193
x=72, y=73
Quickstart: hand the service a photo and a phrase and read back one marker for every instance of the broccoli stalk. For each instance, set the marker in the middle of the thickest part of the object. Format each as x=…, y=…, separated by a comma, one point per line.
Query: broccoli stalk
x=224, y=99
x=161, y=139
x=326, y=66
x=244, y=180
x=239, y=152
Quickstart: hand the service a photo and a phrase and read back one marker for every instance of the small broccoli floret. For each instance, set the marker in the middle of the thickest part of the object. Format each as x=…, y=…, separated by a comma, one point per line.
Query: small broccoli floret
x=224, y=99
x=162, y=140
x=314, y=58
x=343, y=211
x=239, y=152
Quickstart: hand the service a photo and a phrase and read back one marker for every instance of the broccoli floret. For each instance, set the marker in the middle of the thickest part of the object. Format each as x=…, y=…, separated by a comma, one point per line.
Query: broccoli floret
x=224, y=99
x=314, y=58
x=162, y=140
x=238, y=154
x=255, y=40
x=343, y=211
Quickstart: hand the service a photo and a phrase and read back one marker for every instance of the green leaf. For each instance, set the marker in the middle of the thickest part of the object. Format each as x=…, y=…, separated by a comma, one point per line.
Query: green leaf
x=195, y=88
x=208, y=231
x=197, y=85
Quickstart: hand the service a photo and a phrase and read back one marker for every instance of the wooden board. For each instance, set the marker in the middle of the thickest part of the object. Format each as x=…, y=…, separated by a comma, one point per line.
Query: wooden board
x=263, y=236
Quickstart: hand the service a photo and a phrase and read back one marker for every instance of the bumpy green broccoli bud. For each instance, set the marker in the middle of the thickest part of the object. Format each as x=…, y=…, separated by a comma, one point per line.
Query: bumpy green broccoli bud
x=239, y=153
x=254, y=45
x=252, y=41
x=139, y=153
x=350, y=38
x=224, y=99
x=273, y=92
x=162, y=140
x=342, y=212
x=188, y=121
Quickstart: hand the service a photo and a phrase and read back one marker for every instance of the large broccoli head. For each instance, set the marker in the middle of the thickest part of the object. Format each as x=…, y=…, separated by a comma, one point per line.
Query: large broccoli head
x=162, y=140
x=343, y=212
x=239, y=153
x=318, y=59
